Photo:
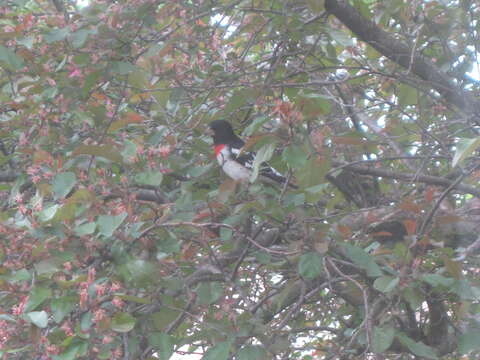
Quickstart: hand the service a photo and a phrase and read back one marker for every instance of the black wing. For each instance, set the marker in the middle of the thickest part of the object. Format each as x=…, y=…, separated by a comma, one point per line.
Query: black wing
x=247, y=159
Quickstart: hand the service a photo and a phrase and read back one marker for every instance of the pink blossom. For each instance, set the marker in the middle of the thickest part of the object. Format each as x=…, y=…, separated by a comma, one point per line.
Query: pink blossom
x=164, y=150
x=165, y=170
x=115, y=287
x=33, y=170
x=23, y=140
x=52, y=349
x=118, y=209
x=100, y=289
x=67, y=328
x=44, y=131
x=116, y=301
x=83, y=297
x=107, y=339
x=23, y=209
x=99, y=315
x=117, y=353
x=91, y=275
x=19, y=198
x=76, y=72
x=20, y=307
x=47, y=175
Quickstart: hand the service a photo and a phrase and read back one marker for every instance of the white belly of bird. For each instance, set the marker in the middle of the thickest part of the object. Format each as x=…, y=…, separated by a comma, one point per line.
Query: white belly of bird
x=236, y=171
x=232, y=168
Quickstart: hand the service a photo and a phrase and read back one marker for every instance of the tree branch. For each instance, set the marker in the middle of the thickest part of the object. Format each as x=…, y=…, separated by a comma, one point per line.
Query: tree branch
x=427, y=179
x=400, y=53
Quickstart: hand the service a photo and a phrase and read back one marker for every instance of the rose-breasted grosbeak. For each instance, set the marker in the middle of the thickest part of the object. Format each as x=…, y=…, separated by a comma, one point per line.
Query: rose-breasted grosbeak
x=235, y=162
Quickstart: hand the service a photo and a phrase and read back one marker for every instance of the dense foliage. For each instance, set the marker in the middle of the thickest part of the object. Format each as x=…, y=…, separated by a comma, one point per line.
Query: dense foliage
x=122, y=239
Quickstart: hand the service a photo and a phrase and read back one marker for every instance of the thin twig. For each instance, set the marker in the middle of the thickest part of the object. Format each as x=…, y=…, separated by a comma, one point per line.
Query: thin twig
x=216, y=225
x=365, y=322
x=295, y=308
x=445, y=193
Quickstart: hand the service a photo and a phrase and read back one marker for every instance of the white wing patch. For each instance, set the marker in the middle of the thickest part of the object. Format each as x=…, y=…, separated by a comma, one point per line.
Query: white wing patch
x=236, y=151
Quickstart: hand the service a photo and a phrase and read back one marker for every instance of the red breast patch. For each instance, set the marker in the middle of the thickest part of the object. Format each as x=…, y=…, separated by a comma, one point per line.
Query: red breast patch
x=218, y=149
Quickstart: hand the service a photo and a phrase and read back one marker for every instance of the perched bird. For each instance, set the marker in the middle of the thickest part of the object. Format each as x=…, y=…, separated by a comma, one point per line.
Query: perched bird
x=235, y=162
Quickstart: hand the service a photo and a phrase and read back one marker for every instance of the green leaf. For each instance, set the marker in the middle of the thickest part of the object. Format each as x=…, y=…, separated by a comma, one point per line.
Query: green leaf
x=407, y=95
x=437, y=280
x=162, y=343
x=47, y=267
x=63, y=183
x=341, y=37
x=218, y=352
x=310, y=265
x=123, y=322
x=209, y=292
x=382, y=338
x=57, y=35
x=153, y=178
x=294, y=156
x=107, y=224
x=363, y=259
x=252, y=352
x=85, y=229
x=77, y=347
x=27, y=41
x=312, y=174
x=255, y=125
x=385, y=283
x=105, y=151
x=464, y=148
x=89, y=82
x=79, y=37
x=86, y=321
x=66, y=212
x=38, y=318
x=240, y=98
x=129, y=151
x=139, y=79
x=37, y=296
x=48, y=213
x=12, y=60
x=469, y=340
x=122, y=67
x=20, y=275
x=139, y=272
x=316, y=6
x=5, y=317
x=62, y=306
x=313, y=104
x=137, y=299
x=464, y=289
x=264, y=154
x=417, y=348
x=164, y=317
x=414, y=297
